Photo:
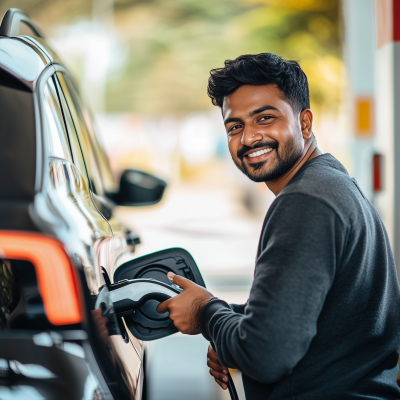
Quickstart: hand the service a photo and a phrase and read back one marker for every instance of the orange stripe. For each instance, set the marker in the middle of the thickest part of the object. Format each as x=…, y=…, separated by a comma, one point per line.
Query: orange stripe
x=55, y=273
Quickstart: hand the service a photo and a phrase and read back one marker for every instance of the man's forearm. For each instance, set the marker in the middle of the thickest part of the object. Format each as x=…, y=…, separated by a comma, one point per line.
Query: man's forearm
x=235, y=344
x=208, y=311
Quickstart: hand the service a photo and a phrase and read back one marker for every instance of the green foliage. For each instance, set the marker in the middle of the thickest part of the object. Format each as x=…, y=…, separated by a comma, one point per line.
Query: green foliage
x=174, y=44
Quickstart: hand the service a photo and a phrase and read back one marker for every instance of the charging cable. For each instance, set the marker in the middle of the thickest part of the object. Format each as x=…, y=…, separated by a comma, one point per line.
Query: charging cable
x=230, y=384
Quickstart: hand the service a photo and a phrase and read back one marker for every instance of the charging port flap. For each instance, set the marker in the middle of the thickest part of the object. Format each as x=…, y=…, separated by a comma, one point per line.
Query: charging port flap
x=146, y=323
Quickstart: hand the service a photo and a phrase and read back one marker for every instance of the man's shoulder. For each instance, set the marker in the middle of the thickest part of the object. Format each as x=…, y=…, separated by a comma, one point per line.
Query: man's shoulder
x=326, y=180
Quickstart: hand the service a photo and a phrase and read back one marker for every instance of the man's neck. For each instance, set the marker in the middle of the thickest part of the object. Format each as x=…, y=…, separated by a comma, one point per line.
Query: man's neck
x=310, y=151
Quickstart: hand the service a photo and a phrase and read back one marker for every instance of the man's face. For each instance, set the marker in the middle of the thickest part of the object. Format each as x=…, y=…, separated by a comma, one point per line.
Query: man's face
x=264, y=134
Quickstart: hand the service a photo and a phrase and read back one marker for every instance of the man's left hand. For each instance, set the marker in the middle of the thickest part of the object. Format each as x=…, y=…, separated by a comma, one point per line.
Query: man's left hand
x=185, y=308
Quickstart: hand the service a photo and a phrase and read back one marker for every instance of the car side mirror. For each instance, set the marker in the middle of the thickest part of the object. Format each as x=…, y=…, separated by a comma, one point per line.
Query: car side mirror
x=138, y=188
x=146, y=323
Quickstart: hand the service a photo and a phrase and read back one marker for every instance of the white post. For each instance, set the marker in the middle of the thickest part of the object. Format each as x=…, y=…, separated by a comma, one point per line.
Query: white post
x=387, y=141
x=359, y=52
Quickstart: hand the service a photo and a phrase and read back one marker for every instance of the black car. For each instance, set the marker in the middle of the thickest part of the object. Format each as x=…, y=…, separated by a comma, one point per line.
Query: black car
x=60, y=242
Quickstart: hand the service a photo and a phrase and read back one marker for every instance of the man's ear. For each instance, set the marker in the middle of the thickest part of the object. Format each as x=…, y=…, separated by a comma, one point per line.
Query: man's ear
x=306, y=118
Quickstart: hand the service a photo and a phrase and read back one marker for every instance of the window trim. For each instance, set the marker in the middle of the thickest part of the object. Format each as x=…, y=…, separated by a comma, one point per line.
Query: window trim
x=63, y=71
x=47, y=134
x=56, y=83
x=76, y=133
x=95, y=165
x=41, y=145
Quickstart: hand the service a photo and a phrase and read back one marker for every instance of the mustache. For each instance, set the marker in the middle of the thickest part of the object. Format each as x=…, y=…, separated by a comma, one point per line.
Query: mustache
x=241, y=152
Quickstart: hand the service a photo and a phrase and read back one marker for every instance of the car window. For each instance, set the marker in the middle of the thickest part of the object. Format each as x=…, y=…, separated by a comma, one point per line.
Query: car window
x=55, y=132
x=100, y=155
x=79, y=171
x=59, y=145
x=79, y=162
x=77, y=119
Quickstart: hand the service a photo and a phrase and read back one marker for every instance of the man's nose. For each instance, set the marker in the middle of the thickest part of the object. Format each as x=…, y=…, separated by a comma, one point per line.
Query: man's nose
x=250, y=136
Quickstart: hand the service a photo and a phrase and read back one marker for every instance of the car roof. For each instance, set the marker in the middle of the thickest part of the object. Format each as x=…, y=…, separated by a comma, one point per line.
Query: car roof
x=25, y=57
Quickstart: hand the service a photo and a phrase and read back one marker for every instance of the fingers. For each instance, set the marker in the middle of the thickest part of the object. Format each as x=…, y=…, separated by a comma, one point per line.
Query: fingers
x=218, y=376
x=163, y=307
x=180, y=280
x=218, y=371
x=220, y=382
x=212, y=355
x=217, y=367
x=223, y=385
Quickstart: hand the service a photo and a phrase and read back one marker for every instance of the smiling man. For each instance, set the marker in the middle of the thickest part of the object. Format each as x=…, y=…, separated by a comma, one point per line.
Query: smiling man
x=323, y=316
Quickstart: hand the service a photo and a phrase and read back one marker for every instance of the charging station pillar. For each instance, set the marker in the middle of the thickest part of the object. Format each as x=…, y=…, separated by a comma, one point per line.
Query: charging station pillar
x=387, y=116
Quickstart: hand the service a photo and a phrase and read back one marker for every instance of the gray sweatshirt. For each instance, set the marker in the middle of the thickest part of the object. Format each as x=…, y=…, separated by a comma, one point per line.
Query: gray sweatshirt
x=323, y=317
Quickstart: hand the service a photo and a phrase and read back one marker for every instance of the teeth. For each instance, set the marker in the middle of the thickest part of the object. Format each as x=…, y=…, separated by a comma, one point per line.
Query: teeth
x=259, y=153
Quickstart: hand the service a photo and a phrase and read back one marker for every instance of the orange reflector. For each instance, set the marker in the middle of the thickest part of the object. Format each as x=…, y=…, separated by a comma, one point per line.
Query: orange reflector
x=363, y=117
x=55, y=273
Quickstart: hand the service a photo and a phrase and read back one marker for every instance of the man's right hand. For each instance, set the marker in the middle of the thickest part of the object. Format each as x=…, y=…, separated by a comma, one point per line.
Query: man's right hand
x=219, y=372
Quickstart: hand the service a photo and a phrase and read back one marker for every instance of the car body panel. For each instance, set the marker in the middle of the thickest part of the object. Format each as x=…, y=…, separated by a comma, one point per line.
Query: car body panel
x=64, y=371
x=60, y=201
x=23, y=61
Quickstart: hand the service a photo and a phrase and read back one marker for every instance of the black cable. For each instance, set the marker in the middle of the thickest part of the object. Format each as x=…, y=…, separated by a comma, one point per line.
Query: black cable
x=232, y=388
x=230, y=384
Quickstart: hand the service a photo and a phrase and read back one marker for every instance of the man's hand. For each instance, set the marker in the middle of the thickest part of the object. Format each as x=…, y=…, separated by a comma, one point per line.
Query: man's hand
x=185, y=308
x=219, y=372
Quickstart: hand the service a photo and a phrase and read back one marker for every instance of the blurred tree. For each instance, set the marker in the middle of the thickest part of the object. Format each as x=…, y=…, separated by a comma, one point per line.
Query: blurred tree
x=174, y=43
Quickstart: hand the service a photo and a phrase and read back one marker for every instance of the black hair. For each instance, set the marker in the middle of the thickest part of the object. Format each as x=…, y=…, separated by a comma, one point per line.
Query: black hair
x=260, y=69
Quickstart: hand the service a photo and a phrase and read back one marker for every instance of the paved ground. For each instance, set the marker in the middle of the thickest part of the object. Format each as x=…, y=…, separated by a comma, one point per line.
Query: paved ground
x=178, y=371
x=214, y=226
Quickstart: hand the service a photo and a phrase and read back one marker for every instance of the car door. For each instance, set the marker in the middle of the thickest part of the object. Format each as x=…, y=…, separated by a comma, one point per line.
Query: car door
x=127, y=349
x=69, y=192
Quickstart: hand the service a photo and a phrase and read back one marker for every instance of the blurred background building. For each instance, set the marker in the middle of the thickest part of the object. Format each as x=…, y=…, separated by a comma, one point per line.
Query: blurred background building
x=143, y=68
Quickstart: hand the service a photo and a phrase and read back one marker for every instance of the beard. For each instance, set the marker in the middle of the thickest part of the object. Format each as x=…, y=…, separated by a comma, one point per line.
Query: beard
x=286, y=158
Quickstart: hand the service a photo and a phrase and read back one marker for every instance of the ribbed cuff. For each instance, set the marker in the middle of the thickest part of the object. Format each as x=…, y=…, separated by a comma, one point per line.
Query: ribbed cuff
x=207, y=312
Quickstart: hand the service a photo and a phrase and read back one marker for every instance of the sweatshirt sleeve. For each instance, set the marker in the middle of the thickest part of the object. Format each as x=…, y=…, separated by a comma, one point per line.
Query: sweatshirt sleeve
x=238, y=308
x=299, y=250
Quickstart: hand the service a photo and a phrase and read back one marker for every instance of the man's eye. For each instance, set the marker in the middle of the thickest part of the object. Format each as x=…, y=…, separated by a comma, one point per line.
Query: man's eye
x=234, y=128
x=265, y=118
